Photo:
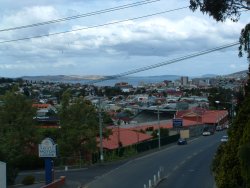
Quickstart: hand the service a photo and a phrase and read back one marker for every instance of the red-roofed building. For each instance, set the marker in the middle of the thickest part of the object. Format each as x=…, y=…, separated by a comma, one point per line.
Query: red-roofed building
x=41, y=106
x=131, y=136
x=125, y=137
x=208, y=117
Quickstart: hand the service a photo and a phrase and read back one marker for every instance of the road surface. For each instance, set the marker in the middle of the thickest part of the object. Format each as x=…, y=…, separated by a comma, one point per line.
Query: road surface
x=193, y=172
x=184, y=166
x=187, y=165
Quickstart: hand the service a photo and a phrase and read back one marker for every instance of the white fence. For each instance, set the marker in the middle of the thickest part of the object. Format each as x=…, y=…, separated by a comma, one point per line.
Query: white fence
x=2, y=175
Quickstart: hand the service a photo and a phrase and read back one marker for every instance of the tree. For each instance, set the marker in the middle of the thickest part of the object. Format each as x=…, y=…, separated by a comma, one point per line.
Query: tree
x=17, y=131
x=245, y=41
x=79, y=127
x=107, y=120
x=221, y=10
x=164, y=133
x=112, y=91
x=231, y=164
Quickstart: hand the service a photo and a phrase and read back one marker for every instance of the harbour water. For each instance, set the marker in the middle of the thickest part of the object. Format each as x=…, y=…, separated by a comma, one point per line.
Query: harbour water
x=134, y=81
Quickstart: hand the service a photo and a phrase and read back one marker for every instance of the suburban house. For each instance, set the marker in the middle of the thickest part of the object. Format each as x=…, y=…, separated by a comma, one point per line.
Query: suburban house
x=46, y=116
x=44, y=109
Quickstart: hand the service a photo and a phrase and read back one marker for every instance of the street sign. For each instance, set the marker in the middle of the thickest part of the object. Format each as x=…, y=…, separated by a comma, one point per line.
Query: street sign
x=177, y=122
x=47, y=148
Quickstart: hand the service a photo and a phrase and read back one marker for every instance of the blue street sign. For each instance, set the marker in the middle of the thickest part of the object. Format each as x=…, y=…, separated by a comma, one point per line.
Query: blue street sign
x=177, y=122
x=48, y=150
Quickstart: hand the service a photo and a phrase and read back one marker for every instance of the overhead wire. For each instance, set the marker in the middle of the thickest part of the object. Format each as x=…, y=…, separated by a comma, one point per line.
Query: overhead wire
x=112, y=23
x=193, y=55
x=139, y=3
x=94, y=26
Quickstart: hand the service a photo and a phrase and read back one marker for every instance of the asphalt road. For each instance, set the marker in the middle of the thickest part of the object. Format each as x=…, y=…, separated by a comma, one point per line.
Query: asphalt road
x=187, y=165
x=195, y=171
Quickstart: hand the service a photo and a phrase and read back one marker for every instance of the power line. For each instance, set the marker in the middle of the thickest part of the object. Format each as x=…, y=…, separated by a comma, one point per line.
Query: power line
x=139, y=3
x=94, y=26
x=164, y=63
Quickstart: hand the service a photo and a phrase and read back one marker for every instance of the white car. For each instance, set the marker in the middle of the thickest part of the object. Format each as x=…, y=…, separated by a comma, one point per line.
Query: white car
x=224, y=138
x=206, y=133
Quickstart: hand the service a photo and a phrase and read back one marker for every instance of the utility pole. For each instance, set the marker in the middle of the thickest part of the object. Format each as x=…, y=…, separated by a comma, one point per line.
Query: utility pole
x=159, y=129
x=100, y=130
x=218, y=118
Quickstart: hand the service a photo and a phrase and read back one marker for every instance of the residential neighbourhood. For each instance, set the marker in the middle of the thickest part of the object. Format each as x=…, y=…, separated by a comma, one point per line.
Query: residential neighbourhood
x=137, y=113
x=173, y=97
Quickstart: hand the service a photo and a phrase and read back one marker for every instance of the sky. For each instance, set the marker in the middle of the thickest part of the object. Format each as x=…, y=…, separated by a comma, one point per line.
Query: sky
x=115, y=48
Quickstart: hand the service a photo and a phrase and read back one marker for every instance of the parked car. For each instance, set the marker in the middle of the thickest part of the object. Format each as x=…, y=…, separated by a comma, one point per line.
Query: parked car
x=219, y=128
x=227, y=126
x=206, y=133
x=224, y=138
x=182, y=141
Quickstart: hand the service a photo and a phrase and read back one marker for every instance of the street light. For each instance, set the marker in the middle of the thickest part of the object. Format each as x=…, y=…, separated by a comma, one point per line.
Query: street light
x=100, y=129
x=217, y=102
x=231, y=109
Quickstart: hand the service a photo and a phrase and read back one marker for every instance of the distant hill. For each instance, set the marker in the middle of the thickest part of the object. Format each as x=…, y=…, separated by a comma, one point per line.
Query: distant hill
x=241, y=74
x=96, y=77
x=209, y=75
x=61, y=78
x=133, y=80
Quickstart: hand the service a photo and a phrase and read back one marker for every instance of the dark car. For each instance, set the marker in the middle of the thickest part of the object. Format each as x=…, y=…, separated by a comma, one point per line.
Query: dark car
x=182, y=141
x=219, y=128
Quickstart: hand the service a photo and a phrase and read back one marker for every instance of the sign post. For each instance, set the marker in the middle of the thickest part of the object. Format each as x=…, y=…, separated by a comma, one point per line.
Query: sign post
x=48, y=150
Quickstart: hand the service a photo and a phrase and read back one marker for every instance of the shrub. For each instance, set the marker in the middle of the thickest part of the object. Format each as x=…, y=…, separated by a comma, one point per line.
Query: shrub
x=12, y=173
x=28, y=180
x=29, y=162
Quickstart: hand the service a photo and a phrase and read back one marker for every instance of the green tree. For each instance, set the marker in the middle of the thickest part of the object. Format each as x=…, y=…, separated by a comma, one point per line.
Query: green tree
x=112, y=91
x=243, y=135
x=17, y=130
x=224, y=96
x=220, y=10
x=79, y=127
x=164, y=133
x=107, y=119
x=231, y=164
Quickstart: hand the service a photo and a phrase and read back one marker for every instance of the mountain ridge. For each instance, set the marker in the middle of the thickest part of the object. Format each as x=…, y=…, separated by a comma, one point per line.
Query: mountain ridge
x=61, y=78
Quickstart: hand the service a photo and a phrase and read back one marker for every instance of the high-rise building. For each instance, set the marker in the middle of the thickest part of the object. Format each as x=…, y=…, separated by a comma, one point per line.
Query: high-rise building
x=184, y=80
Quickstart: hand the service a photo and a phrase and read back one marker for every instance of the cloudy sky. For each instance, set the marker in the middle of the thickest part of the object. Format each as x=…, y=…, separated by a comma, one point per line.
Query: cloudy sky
x=114, y=48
